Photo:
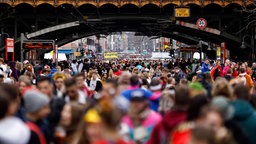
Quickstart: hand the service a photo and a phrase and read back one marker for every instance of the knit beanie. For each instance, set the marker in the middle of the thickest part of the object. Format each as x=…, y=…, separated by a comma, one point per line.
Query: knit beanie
x=35, y=100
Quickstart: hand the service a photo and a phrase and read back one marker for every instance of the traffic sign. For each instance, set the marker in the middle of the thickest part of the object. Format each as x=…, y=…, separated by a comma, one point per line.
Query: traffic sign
x=201, y=23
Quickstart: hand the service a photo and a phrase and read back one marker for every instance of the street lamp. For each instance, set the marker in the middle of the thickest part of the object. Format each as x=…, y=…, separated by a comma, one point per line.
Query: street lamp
x=243, y=46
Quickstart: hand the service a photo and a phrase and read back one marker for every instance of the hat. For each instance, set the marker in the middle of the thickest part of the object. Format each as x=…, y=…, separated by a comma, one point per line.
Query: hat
x=196, y=86
x=223, y=104
x=92, y=116
x=59, y=75
x=138, y=95
x=35, y=100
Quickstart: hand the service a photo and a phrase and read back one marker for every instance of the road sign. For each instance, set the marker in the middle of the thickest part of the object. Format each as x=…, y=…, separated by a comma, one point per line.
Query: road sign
x=201, y=23
x=181, y=12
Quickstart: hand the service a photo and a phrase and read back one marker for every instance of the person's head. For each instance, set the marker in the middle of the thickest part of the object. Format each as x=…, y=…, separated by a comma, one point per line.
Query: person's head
x=182, y=97
x=230, y=71
x=134, y=80
x=36, y=105
x=10, y=100
x=241, y=92
x=196, y=104
x=222, y=87
x=58, y=68
x=109, y=88
x=155, y=85
x=93, y=127
x=212, y=117
x=207, y=61
x=184, y=82
x=227, y=63
x=44, y=84
x=124, y=78
x=80, y=78
x=218, y=62
x=24, y=81
x=71, y=115
x=139, y=102
x=59, y=80
x=71, y=88
x=94, y=75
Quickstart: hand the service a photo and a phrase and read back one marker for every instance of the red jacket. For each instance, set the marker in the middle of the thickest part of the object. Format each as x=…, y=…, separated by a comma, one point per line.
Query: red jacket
x=162, y=130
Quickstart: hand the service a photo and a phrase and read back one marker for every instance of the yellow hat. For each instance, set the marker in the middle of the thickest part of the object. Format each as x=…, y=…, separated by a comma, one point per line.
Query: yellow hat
x=92, y=116
x=57, y=75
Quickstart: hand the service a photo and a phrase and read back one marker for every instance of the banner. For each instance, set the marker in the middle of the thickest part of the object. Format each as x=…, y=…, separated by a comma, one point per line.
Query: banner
x=110, y=55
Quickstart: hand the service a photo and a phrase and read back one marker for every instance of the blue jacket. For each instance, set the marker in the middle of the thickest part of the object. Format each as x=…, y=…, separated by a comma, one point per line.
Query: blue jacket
x=245, y=115
x=205, y=68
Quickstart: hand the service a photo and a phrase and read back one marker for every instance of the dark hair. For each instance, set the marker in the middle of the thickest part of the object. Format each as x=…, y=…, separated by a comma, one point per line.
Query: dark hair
x=4, y=103
x=113, y=82
x=80, y=75
x=8, y=94
x=134, y=80
x=229, y=71
x=43, y=79
x=182, y=96
x=12, y=90
x=70, y=82
x=242, y=92
x=242, y=70
x=195, y=106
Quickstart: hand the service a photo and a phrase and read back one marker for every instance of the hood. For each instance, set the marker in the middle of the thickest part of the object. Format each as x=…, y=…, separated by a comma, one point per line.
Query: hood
x=243, y=109
x=173, y=118
x=13, y=131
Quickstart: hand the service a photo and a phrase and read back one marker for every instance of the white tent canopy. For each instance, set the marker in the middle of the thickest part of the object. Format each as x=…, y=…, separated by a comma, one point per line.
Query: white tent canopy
x=61, y=56
x=160, y=55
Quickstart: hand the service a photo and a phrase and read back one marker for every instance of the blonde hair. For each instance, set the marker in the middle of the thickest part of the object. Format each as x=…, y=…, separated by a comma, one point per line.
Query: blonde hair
x=221, y=87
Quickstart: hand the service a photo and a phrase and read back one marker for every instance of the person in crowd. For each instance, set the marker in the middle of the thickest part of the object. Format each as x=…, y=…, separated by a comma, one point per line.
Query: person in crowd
x=217, y=70
x=223, y=104
x=69, y=122
x=110, y=91
x=59, y=79
x=134, y=85
x=14, y=72
x=12, y=129
x=94, y=84
x=74, y=67
x=156, y=88
x=247, y=80
x=73, y=93
x=221, y=87
x=80, y=82
x=44, y=84
x=205, y=66
x=124, y=81
x=37, y=109
x=178, y=114
x=244, y=112
x=229, y=74
x=140, y=118
x=19, y=68
x=24, y=82
x=227, y=67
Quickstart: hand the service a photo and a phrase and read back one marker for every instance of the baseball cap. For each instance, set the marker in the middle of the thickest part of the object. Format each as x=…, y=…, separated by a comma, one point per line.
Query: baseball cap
x=138, y=95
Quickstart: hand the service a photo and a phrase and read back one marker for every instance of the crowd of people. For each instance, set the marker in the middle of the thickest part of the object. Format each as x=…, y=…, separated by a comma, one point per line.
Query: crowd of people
x=127, y=102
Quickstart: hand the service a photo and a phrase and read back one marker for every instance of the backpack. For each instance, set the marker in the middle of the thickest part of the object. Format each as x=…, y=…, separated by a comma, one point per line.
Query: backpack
x=34, y=128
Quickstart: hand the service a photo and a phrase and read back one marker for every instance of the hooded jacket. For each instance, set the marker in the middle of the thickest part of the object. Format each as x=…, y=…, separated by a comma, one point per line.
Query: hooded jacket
x=162, y=131
x=13, y=131
x=245, y=115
